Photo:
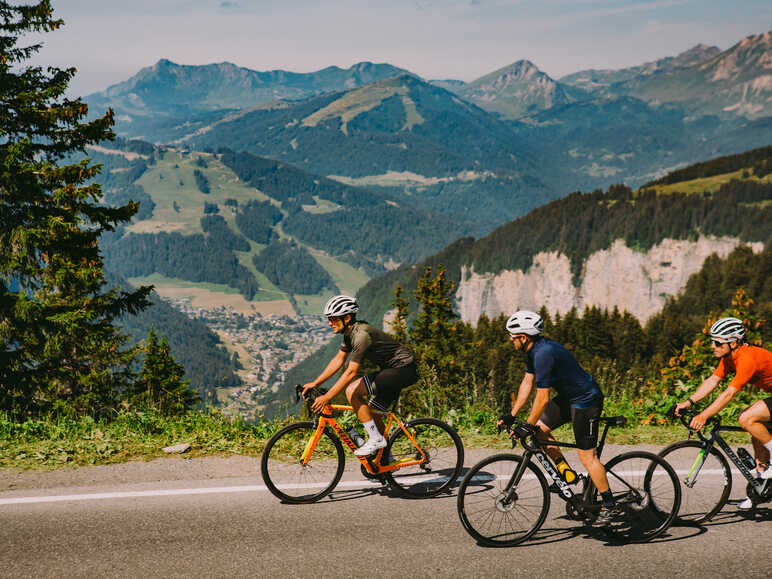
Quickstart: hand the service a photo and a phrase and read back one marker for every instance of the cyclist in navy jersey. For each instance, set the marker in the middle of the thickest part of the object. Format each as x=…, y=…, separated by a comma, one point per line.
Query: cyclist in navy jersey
x=579, y=400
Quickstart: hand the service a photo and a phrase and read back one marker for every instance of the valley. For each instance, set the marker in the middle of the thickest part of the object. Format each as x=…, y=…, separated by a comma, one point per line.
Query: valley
x=264, y=193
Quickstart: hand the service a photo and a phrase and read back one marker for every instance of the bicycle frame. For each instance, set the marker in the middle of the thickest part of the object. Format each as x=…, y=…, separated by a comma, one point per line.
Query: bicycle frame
x=709, y=441
x=581, y=503
x=371, y=464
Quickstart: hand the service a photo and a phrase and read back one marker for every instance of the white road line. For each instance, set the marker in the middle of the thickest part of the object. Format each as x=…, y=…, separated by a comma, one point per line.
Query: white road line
x=174, y=492
x=235, y=489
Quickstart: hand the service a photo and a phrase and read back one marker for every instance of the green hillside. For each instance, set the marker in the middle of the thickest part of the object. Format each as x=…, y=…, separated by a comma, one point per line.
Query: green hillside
x=581, y=224
x=224, y=220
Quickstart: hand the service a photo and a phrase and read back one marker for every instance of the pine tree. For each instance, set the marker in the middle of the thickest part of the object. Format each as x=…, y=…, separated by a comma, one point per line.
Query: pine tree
x=436, y=318
x=399, y=323
x=59, y=348
x=160, y=385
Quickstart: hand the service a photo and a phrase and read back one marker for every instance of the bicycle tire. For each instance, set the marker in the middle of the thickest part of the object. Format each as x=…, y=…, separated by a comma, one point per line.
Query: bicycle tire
x=647, y=490
x=444, y=458
x=712, y=486
x=292, y=482
x=482, y=511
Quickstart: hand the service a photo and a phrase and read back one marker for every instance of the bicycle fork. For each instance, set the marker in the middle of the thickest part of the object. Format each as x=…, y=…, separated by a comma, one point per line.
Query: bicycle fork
x=691, y=477
x=509, y=495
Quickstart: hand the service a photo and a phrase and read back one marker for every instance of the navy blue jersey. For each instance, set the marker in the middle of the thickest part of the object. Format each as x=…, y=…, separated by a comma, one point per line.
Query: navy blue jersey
x=555, y=367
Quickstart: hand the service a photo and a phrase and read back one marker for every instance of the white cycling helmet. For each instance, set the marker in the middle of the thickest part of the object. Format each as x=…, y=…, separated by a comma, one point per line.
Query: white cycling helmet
x=727, y=330
x=339, y=306
x=525, y=322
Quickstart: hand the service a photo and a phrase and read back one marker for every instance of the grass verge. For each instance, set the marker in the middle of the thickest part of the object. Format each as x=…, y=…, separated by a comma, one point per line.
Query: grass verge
x=66, y=442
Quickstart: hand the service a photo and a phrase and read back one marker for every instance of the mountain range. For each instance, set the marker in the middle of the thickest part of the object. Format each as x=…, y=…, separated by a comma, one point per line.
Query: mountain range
x=363, y=169
x=172, y=89
x=382, y=122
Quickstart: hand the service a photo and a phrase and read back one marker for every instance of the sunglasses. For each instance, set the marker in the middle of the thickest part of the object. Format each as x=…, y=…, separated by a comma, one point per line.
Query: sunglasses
x=717, y=344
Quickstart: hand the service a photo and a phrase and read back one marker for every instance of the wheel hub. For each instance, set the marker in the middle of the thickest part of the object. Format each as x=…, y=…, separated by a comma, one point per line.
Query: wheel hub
x=642, y=503
x=503, y=504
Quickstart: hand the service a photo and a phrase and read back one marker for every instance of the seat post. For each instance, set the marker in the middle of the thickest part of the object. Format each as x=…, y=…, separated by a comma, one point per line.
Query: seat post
x=602, y=442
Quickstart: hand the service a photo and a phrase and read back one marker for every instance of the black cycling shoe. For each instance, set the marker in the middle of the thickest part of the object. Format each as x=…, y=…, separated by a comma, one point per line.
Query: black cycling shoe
x=607, y=515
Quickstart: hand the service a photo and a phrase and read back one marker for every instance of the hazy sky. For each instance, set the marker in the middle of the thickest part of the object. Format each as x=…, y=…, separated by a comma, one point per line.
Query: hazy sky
x=110, y=40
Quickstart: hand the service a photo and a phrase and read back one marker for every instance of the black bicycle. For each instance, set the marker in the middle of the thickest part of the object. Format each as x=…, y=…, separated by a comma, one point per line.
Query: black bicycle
x=504, y=499
x=706, y=479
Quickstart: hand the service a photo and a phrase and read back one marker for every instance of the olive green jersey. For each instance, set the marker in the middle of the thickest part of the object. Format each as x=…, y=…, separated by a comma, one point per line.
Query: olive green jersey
x=368, y=342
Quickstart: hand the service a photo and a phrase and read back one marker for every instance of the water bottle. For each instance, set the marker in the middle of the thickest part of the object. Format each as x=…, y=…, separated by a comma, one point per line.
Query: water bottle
x=568, y=474
x=357, y=438
x=746, y=458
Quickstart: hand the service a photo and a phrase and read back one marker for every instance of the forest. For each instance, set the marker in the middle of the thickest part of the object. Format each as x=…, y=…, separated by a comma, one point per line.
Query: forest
x=583, y=223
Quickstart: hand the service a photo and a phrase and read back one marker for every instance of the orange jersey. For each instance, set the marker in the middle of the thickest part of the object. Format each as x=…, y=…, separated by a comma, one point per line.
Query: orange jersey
x=751, y=365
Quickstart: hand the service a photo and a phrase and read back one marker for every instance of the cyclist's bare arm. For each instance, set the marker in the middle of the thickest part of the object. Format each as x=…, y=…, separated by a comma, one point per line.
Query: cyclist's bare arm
x=522, y=393
x=539, y=404
x=702, y=391
x=715, y=407
x=348, y=375
x=335, y=364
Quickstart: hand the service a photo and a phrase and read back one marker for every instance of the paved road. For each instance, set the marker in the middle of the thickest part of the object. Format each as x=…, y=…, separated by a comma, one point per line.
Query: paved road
x=232, y=527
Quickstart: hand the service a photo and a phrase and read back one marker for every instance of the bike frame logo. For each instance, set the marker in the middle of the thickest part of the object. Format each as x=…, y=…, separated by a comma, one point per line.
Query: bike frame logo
x=564, y=490
x=343, y=436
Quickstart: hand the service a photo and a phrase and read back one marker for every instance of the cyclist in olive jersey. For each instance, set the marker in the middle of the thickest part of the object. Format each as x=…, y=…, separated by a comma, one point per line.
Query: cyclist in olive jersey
x=750, y=364
x=579, y=400
x=363, y=341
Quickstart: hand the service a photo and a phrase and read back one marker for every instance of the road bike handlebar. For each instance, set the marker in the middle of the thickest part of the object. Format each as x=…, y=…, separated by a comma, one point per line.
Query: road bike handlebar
x=310, y=396
x=519, y=430
x=686, y=417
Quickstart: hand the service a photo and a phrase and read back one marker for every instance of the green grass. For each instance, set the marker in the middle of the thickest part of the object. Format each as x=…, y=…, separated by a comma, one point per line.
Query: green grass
x=170, y=181
x=159, y=280
x=708, y=184
x=322, y=206
x=346, y=277
x=65, y=442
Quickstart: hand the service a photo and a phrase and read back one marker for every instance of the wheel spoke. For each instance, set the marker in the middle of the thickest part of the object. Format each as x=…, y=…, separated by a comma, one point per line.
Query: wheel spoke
x=290, y=480
x=486, y=513
x=708, y=488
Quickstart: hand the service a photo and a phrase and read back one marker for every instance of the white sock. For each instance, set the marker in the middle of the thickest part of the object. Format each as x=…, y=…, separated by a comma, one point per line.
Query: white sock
x=768, y=445
x=372, y=430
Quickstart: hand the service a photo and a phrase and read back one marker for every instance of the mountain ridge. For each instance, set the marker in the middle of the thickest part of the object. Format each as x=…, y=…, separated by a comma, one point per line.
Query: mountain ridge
x=227, y=86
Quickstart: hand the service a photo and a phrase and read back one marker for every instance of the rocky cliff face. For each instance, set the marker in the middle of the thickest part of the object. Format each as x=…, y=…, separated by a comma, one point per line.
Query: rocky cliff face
x=638, y=282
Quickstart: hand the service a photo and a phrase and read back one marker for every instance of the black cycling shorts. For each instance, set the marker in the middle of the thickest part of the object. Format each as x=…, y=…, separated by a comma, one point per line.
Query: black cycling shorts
x=384, y=386
x=585, y=420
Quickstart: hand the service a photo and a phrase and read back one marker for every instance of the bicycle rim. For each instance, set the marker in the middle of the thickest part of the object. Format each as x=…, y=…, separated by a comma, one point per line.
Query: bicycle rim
x=704, y=491
x=646, y=488
x=483, y=507
x=287, y=478
x=441, y=463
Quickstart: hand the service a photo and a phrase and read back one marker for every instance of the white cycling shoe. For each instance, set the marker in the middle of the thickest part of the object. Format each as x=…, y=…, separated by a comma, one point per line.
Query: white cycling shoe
x=745, y=505
x=370, y=447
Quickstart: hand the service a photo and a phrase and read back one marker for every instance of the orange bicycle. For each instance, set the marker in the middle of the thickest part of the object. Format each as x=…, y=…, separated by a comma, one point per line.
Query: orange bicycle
x=304, y=461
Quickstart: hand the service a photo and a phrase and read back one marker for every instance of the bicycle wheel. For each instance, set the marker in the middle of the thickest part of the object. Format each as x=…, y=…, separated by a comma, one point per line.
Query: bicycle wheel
x=646, y=488
x=444, y=460
x=705, y=491
x=289, y=480
x=483, y=507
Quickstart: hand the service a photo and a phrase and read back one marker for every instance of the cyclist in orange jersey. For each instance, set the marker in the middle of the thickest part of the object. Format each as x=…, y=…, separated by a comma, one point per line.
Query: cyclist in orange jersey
x=751, y=365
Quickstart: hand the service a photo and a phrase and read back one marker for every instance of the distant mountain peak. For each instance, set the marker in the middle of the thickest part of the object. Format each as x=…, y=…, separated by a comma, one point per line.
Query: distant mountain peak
x=515, y=90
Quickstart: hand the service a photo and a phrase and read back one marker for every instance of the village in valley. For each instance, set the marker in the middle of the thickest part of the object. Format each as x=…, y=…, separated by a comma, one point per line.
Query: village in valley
x=264, y=346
